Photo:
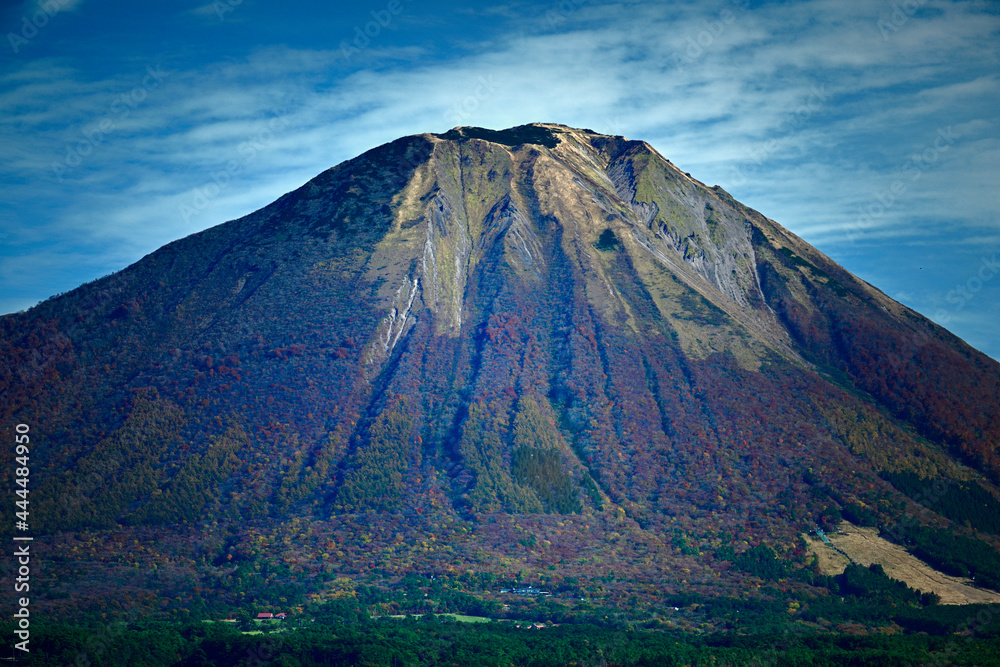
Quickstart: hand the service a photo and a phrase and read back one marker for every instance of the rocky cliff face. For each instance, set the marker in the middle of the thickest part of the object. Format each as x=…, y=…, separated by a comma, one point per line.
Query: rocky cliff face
x=537, y=321
x=475, y=197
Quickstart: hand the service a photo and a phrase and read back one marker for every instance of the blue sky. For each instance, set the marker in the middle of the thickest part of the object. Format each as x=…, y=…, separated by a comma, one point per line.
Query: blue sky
x=870, y=128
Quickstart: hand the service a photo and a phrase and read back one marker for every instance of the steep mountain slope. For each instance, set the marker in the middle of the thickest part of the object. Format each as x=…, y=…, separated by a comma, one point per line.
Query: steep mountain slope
x=536, y=322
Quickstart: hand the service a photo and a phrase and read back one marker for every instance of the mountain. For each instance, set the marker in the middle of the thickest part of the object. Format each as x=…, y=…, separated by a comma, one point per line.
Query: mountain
x=538, y=353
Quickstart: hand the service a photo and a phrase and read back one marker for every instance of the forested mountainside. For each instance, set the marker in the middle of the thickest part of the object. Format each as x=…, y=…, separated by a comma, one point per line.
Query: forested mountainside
x=536, y=352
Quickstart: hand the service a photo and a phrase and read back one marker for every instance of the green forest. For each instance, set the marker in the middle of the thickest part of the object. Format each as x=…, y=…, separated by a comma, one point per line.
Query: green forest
x=344, y=635
x=865, y=618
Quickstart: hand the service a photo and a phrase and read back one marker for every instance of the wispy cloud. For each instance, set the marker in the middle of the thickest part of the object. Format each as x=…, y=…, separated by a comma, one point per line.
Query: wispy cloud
x=57, y=5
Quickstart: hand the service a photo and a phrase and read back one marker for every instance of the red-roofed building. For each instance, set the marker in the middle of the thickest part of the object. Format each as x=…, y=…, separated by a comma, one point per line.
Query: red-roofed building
x=264, y=615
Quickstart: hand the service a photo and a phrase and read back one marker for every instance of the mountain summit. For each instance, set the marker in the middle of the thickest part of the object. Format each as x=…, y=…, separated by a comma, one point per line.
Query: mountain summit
x=459, y=330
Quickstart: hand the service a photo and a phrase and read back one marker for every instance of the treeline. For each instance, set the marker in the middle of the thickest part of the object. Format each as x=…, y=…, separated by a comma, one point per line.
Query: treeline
x=435, y=640
x=963, y=502
x=873, y=582
x=869, y=583
x=952, y=554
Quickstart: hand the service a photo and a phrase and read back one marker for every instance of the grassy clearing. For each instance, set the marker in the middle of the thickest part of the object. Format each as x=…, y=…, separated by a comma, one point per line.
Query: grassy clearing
x=864, y=546
x=461, y=618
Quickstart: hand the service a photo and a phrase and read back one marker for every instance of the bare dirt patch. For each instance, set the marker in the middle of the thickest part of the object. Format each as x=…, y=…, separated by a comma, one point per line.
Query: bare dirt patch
x=864, y=547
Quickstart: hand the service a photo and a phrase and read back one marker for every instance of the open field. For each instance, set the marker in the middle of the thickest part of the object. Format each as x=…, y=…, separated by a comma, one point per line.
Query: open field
x=864, y=546
x=462, y=618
